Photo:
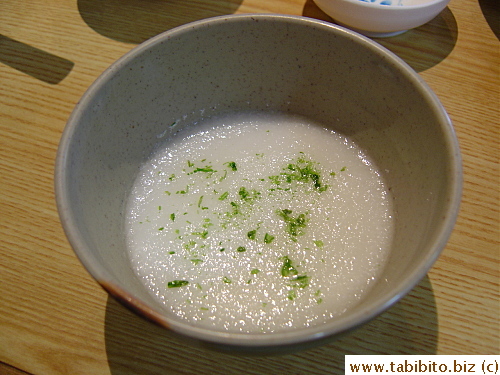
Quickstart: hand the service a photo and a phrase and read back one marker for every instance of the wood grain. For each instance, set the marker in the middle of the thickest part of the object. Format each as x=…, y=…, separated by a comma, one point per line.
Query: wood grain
x=54, y=318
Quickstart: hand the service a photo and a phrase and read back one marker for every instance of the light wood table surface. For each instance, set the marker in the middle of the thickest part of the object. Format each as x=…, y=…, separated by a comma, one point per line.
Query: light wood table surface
x=55, y=319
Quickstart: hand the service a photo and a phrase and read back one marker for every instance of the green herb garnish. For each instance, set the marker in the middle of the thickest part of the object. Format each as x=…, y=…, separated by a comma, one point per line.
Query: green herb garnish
x=301, y=281
x=223, y=176
x=268, y=238
x=288, y=269
x=207, y=169
x=236, y=208
x=246, y=195
x=241, y=249
x=203, y=234
x=185, y=191
x=199, y=203
x=292, y=294
x=243, y=193
x=190, y=245
x=252, y=234
x=232, y=165
x=301, y=170
x=223, y=196
x=177, y=283
x=296, y=280
x=295, y=225
x=227, y=280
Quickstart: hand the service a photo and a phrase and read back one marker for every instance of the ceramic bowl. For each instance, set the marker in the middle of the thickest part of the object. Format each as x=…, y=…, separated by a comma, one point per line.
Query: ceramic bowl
x=382, y=18
x=258, y=63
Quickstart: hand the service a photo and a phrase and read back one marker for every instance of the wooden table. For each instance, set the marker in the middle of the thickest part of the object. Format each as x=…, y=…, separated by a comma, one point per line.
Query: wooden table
x=55, y=319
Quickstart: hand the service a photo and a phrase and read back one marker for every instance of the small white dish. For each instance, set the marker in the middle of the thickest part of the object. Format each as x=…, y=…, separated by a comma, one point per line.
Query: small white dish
x=382, y=18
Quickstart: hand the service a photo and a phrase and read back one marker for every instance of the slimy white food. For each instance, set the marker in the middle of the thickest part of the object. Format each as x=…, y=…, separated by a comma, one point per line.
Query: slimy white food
x=258, y=222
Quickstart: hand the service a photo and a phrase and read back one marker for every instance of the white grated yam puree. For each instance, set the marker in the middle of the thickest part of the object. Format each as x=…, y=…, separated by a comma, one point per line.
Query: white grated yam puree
x=235, y=259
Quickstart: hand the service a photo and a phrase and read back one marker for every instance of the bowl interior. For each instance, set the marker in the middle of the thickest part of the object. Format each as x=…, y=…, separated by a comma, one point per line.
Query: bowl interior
x=259, y=62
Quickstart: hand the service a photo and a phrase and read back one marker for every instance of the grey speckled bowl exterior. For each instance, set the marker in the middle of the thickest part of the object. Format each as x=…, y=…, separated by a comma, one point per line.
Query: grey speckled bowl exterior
x=259, y=62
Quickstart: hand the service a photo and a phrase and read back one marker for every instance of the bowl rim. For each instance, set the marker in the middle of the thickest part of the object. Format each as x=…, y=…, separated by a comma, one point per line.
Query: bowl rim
x=341, y=324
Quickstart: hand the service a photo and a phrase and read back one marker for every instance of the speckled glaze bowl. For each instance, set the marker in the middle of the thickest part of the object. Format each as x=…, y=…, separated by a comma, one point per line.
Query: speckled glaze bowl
x=258, y=62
